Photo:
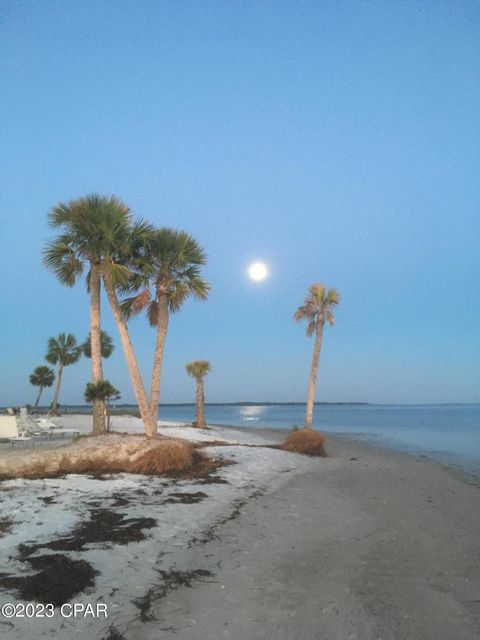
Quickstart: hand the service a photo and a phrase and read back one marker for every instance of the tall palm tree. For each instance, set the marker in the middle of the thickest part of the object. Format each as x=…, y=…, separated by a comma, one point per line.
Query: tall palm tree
x=95, y=229
x=167, y=272
x=41, y=377
x=317, y=309
x=117, y=274
x=106, y=345
x=62, y=351
x=198, y=369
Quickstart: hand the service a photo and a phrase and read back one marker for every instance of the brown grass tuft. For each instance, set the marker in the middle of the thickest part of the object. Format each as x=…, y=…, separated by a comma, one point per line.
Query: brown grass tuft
x=167, y=455
x=306, y=441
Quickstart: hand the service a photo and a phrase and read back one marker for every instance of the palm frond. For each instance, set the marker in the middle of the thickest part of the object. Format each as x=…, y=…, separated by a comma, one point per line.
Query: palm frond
x=103, y=389
x=198, y=368
x=118, y=274
x=60, y=258
x=318, y=307
x=311, y=327
x=106, y=345
x=141, y=301
x=42, y=377
x=63, y=350
x=152, y=313
x=126, y=307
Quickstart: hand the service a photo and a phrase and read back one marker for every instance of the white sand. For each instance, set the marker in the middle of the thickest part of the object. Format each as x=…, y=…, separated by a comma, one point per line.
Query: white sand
x=129, y=571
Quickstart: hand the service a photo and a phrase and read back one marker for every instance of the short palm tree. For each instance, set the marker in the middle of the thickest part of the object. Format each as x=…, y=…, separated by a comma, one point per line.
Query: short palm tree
x=62, y=351
x=106, y=345
x=104, y=390
x=316, y=310
x=198, y=369
x=95, y=229
x=41, y=377
x=167, y=271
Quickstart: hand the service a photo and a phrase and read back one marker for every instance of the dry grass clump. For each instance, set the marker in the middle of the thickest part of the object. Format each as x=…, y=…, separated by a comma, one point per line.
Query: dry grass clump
x=104, y=454
x=306, y=441
x=168, y=455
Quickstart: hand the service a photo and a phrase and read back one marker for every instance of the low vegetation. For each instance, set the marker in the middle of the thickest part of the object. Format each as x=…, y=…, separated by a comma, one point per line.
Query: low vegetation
x=306, y=441
x=108, y=454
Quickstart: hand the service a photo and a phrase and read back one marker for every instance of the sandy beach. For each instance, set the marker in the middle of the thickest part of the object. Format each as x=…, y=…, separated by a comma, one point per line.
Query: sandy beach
x=363, y=545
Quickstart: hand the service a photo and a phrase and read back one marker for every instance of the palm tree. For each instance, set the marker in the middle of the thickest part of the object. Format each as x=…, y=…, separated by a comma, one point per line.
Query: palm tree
x=198, y=369
x=317, y=309
x=41, y=377
x=63, y=351
x=106, y=345
x=117, y=274
x=95, y=229
x=104, y=390
x=167, y=272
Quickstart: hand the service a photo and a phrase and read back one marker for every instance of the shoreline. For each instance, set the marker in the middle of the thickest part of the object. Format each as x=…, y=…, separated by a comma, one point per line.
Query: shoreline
x=367, y=543
x=464, y=467
x=446, y=462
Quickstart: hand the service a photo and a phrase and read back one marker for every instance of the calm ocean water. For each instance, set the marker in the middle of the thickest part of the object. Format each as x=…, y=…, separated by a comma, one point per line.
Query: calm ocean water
x=449, y=433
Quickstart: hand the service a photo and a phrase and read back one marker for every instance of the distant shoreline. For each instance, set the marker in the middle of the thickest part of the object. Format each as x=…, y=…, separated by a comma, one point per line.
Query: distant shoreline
x=249, y=403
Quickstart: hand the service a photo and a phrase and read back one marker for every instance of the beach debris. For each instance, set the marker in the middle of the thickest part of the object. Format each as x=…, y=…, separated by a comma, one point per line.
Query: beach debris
x=171, y=580
x=5, y=526
x=56, y=581
x=104, y=526
x=185, y=498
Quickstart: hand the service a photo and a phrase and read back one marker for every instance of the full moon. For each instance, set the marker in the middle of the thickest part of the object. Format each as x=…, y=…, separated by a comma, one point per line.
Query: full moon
x=258, y=271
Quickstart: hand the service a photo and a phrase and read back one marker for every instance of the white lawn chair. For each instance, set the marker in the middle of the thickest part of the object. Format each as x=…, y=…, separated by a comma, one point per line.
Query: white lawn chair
x=21, y=438
x=27, y=425
x=8, y=427
x=45, y=423
x=53, y=429
x=30, y=427
x=9, y=431
x=64, y=432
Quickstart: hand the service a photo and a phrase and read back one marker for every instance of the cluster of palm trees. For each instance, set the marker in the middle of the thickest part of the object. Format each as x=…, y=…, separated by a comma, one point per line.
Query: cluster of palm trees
x=64, y=351
x=141, y=269
x=151, y=270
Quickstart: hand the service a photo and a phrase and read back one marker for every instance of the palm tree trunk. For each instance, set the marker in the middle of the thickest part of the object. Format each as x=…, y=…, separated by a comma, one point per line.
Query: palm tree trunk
x=313, y=376
x=149, y=421
x=38, y=398
x=200, y=401
x=97, y=372
x=162, y=327
x=57, y=388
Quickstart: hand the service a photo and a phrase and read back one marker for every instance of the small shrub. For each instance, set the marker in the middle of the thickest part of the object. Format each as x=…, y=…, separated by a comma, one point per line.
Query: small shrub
x=306, y=441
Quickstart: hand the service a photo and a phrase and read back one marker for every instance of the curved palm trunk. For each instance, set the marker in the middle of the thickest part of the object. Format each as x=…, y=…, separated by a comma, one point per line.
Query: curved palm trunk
x=38, y=398
x=97, y=371
x=200, y=402
x=149, y=422
x=57, y=388
x=162, y=328
x=313, y=376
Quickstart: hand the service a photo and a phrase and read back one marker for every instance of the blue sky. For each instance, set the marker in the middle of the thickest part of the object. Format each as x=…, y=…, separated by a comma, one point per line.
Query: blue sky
x=338, y=142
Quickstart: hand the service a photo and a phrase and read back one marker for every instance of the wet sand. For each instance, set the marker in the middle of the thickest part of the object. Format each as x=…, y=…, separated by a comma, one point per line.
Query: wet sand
x=385, y=546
